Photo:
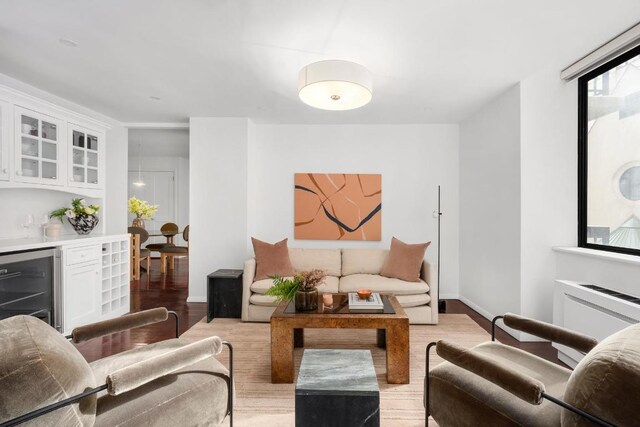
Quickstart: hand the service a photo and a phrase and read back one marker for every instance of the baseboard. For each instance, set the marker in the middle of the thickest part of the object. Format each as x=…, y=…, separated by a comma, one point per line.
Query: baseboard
x=484, y=313
x=196, y=298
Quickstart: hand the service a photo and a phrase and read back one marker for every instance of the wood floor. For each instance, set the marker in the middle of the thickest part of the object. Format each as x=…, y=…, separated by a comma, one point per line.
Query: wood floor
x=171, y=290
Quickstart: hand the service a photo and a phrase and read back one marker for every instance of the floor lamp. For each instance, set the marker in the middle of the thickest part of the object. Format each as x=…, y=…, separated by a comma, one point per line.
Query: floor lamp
x=442, y=304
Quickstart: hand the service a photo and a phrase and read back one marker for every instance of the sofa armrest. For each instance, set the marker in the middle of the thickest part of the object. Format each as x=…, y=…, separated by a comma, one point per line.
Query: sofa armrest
x=520, y=385
x=145, y=371
x=247, y=279
x=119, y=324
x=553, y=333
x=428, y=275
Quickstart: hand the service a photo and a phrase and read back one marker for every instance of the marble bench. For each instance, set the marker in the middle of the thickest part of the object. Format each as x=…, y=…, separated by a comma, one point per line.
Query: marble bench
x=337, y=388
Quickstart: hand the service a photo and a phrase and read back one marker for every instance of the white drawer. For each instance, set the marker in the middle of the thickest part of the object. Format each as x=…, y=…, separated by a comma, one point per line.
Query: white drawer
x=78, y=255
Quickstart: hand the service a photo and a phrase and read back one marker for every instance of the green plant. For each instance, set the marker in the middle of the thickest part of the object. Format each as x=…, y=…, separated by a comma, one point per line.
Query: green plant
x=78, y=208
x=285, y=289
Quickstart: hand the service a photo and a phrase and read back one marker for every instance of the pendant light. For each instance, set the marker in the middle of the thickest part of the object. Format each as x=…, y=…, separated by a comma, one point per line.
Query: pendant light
x=139, y=182
x=335, y=85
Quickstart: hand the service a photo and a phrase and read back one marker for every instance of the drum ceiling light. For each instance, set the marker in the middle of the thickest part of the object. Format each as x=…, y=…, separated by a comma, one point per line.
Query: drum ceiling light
x=335, y=85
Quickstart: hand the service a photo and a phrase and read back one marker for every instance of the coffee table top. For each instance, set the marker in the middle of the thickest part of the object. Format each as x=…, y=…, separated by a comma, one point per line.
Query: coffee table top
x=392, y=309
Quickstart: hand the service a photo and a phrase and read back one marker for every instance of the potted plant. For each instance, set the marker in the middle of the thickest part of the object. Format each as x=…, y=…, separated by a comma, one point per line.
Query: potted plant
x=303, y=288
x=82, y=218
x=142, y=210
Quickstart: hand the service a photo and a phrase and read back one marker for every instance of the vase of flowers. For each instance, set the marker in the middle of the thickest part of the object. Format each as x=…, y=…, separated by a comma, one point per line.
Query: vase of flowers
x=302, y=288
x=82, y=218
x=142, y=210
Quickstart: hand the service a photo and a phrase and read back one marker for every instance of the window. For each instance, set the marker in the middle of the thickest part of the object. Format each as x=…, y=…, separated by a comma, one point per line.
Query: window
x=609, y=156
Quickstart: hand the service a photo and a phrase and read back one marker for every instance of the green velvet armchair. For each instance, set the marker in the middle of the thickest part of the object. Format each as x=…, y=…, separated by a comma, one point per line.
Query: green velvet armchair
x=499, y=385
x=45, y=381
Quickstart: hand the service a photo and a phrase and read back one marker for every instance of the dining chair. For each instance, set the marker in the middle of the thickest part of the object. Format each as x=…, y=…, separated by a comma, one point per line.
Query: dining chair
x=170, y=252
x=138, y=236
x=168, y=230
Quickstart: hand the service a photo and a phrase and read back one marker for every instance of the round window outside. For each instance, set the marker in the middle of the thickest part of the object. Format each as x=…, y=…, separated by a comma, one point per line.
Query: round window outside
x=630, y=183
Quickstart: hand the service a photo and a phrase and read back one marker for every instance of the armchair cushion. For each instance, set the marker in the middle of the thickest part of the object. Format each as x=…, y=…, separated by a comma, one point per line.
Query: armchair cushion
x=478, y=399
x=38, y=366
x=195, y=393
x=606, y=382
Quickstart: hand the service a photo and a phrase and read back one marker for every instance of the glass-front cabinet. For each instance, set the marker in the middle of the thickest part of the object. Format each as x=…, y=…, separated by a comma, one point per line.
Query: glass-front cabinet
x=37, y=148
x=5, y=144
x=86, y=148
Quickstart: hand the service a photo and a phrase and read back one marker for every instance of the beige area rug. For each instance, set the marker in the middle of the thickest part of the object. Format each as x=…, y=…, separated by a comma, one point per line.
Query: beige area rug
x=260, y=403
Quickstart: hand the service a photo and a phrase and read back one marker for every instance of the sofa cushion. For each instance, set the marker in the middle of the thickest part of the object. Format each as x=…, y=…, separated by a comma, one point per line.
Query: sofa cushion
x=271, y=259
x=328, y=260
x=381, y=284
x=263, y=300
x=330, y=285
x=416, y=300
x=405, y=260
x=363, y=261
x=38, y=366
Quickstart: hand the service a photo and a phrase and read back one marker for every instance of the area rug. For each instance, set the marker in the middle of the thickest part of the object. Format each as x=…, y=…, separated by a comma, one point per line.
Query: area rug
x=260, y=403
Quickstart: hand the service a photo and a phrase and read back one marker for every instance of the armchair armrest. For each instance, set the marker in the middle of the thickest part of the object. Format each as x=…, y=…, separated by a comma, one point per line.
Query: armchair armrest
x=145, y=371
x=523, y=386
x=122, y=323
x=553, y=333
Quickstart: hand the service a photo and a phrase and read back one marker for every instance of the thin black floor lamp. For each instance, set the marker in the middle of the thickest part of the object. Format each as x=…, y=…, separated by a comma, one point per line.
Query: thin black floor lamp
x=442, y=304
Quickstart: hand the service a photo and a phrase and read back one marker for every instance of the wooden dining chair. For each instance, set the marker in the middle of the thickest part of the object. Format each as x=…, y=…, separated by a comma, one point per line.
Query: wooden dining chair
x=168, y=253
x=168, y=230
x=138, y=236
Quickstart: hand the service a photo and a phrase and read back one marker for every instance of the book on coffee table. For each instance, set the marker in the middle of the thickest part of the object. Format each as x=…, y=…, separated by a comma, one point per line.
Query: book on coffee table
x=373, y=304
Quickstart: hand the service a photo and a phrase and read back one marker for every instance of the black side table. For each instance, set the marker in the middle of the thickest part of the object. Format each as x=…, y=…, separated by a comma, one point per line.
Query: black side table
x=224, y=294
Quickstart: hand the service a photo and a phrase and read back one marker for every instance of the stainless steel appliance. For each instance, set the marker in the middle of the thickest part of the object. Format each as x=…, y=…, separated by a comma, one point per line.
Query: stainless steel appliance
x=29, y=285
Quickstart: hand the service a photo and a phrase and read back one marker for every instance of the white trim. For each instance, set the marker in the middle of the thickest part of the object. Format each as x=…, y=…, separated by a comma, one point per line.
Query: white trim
x=619, y=45
x=488, y=315
x=196, y=298
x=603, y=255
x=177, y=125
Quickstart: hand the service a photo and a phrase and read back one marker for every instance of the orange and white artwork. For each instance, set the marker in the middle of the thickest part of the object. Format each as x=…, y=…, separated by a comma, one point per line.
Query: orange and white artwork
x=338, y=206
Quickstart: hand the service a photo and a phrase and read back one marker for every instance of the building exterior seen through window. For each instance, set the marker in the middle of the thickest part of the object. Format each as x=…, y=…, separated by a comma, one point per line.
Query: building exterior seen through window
x=610, y=155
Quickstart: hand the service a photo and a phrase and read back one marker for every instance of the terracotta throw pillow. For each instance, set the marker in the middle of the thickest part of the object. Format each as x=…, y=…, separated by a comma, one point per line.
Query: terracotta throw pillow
x=404, y=261
x=272, y=259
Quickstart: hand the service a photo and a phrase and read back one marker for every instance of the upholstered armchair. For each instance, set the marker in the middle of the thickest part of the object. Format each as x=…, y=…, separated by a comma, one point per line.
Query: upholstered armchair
x=45, y=381
x=499, y=385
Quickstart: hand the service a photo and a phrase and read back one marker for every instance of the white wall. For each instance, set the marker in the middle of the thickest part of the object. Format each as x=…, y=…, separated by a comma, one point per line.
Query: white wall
x=218, y=203
x=413, y=160
x=490, y=206
x=549, y=183
x=116, y=174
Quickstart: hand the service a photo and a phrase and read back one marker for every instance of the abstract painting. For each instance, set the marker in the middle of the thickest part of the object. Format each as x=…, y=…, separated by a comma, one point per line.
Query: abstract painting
x=338, y=206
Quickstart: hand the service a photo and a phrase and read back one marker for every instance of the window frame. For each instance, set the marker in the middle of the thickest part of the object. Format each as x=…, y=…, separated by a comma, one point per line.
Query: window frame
x=583, y=152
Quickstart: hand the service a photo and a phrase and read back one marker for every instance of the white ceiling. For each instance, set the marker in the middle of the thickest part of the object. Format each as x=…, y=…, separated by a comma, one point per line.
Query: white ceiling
x=432, y=61
x=159, y=142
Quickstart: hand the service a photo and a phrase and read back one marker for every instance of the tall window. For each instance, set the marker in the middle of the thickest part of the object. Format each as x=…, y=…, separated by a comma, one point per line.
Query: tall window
x=609, y=155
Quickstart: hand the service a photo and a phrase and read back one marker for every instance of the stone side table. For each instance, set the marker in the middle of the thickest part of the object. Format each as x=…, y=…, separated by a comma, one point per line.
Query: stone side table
x=224, y=294
x=337, y=388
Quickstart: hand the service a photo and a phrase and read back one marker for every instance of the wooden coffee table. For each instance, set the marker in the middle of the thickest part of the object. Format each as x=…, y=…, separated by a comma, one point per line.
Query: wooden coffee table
x=287, y=332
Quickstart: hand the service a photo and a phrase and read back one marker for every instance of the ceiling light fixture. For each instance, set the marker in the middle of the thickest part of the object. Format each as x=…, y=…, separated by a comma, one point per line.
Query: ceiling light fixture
x=139, y=182
x=68, y=43
x=335, y=85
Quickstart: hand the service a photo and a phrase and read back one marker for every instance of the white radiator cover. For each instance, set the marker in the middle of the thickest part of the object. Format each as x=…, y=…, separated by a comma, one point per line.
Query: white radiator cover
x=590, y=312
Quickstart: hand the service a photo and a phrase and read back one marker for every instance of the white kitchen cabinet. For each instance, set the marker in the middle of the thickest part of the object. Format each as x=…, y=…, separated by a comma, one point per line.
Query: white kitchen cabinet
x=81, y=286
x=37, y=149
x=86, y=157
x=5, y=135
x=115, y=278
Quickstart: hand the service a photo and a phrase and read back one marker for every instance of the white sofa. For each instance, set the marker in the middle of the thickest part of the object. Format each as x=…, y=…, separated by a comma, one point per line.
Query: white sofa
x=347, y=270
